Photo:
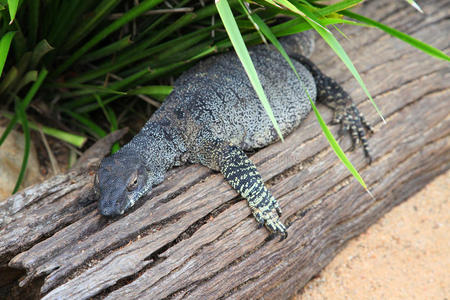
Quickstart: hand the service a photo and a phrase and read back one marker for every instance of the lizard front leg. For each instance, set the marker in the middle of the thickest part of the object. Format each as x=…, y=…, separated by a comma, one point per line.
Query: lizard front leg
x=243, y=176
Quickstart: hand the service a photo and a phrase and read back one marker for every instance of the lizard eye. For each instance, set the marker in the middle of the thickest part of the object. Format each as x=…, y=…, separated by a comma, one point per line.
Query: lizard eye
x=133, y=183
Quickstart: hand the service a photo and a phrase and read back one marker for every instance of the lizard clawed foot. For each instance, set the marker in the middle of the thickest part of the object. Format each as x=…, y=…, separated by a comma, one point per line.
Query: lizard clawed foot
x=354, y=123
x=270, y=219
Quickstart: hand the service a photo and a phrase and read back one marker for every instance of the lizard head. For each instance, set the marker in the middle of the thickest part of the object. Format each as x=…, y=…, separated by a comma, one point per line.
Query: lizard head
x=120, y=181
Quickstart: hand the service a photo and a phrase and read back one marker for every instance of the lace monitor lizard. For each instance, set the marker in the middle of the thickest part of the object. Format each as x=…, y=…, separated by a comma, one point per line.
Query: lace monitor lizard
x=213, y=115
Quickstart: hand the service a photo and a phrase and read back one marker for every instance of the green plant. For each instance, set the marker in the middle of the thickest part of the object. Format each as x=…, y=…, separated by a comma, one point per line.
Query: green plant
x=92, y=62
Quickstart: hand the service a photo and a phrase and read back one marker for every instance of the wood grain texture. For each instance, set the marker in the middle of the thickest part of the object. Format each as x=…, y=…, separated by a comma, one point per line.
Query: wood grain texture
x=194, y=237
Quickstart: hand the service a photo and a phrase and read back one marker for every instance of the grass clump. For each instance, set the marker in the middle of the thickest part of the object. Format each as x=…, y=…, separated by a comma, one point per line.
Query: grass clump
x=79, y=69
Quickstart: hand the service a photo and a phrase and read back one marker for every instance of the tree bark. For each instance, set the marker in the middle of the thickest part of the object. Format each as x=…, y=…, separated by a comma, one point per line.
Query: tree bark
x=195, y=238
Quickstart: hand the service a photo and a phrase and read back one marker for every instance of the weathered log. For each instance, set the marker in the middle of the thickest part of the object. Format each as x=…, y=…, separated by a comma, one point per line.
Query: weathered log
x=195, y=238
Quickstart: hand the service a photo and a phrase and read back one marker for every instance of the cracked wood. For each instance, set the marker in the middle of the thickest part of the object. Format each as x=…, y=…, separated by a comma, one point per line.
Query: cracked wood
x=195, y=238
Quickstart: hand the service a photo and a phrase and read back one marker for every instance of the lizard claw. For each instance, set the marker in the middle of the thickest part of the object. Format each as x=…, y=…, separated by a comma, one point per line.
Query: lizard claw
x=355, y=124
x=271, y=220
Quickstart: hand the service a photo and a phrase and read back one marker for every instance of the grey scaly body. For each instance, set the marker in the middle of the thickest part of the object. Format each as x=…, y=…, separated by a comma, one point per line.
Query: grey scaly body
x=213, y=115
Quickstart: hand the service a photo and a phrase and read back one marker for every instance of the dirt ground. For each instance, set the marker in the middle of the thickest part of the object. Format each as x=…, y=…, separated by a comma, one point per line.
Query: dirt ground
x=405, y=255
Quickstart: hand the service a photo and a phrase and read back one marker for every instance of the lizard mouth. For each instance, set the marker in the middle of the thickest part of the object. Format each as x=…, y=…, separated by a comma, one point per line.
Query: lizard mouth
x=109, y=208
x=108, y=211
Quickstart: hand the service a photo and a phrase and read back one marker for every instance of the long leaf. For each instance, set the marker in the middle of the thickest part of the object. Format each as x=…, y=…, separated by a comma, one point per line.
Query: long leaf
x=83, y=89
x=337, y=149
x=241, y=50
x=152, y=90
x=102, y=10
x=20, y=112
x=108, y=50
x=30, y=76
x=42, y=48
x=29, y=96
x=127, y=17
x=400, y=35
x=12, y=7
x=334, y=44
x=5, y=44
x=10, y=78
x=73, y=139
x=90, y=125
x=341, y=5
x=415, y=5
x=333, y=143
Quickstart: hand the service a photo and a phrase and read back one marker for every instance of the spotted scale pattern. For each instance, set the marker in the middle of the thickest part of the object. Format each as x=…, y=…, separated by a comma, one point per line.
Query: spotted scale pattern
x=213, y=115
x=243, y=176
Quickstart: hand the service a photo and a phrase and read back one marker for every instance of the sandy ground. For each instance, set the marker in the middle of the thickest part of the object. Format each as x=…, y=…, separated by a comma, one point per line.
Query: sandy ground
x=405, y=255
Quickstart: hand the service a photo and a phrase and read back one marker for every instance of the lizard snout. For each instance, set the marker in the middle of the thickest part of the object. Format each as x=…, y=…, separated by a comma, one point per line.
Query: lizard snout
x=108, y=210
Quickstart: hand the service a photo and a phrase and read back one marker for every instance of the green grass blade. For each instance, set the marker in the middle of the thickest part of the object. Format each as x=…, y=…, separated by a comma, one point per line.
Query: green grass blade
x=337, y=48
x=20, y=112
x=99, y=13
x=415, y=5
x=20, y=41
x=29, y=96
x=342, y=5
x=35, y=87
x=334, y=44
x=93, y=128
x=400, y=35
x=333, y=143
x=241, y=50
x=30, y=76
x=100, y=103
x=158, y=21
x=66, y=20
x=42, y=48
x=33, y=21
x=337, y=149
x=114, y=126
x=128, y=80
x=302, y=12
x=24, y=63
x=181, y=22
x=5, y=44
x=73, y=139
x=8, y=129
x=180, y=44
x=87, y=108
x=127, y=17
x=108, y=50
x=84, y=89
x=152, y=90
x=9, y=80
x=12, y=7
x=111, y=117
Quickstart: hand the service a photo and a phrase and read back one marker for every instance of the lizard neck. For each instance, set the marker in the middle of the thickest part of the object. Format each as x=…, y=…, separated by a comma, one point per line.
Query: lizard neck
x=158, y=146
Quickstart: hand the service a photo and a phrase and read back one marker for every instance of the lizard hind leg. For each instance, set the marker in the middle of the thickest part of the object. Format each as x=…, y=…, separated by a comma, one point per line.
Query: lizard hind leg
x=330, y=93
x=243, y=176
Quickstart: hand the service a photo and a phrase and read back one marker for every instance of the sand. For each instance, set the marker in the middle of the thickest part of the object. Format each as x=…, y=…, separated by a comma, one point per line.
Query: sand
x=405, y=255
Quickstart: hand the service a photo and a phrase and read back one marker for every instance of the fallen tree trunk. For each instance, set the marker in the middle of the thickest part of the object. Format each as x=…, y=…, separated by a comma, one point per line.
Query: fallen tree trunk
x=195, y=238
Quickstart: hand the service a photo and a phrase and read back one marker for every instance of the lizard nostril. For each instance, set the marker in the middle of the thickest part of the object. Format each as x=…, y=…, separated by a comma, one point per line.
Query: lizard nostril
x=107, y=211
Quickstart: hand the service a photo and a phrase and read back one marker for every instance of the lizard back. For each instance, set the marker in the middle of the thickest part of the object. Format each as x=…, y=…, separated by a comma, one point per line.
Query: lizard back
x=218, y=92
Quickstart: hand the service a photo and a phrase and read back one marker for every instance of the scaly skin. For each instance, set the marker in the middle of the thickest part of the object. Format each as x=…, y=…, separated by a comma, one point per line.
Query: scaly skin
x=213, y=115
